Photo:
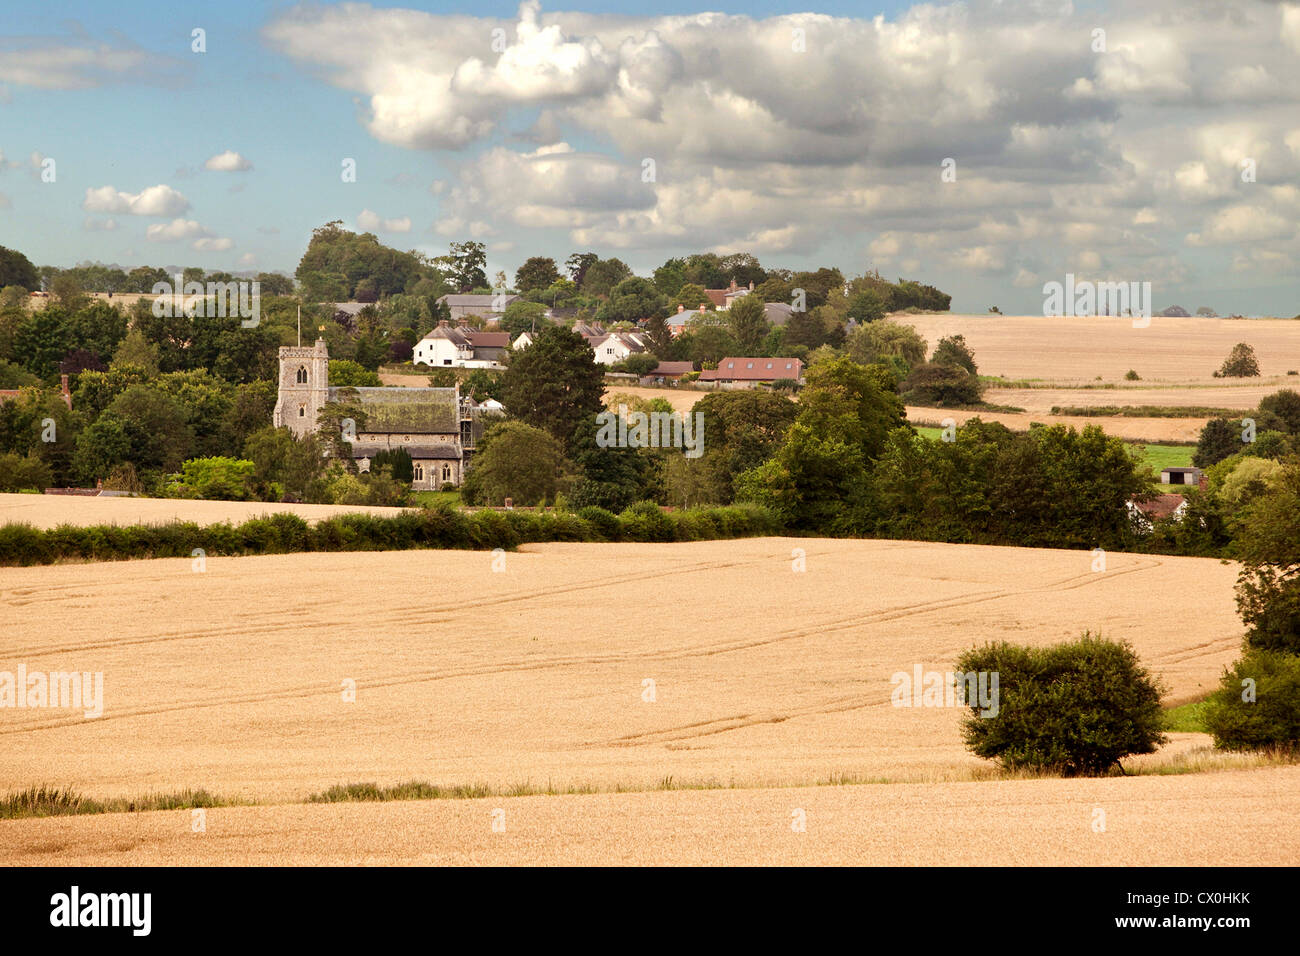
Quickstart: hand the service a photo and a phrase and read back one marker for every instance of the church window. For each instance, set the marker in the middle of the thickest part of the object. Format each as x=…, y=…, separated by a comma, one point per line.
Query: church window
x=302, y=375
x=419, y=473
x=302, y=411
x=446, y=472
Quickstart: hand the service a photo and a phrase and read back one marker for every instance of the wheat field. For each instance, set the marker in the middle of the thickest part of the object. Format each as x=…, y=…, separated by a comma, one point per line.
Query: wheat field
x=570, y=667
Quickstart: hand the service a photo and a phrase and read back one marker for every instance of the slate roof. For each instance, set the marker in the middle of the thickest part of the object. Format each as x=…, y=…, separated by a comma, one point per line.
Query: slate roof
x=408, y=411
x=417, y=452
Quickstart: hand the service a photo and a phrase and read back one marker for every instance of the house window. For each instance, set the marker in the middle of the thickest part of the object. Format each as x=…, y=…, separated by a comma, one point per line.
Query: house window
x=446, y=361
x=302, y=375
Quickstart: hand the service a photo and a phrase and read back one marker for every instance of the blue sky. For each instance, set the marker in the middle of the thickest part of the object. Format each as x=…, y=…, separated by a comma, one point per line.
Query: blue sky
x=1122, y=164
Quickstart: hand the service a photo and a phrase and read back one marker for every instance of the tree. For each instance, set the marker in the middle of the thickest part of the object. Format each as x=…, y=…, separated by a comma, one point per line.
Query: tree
x=632, y=300
x=345, y=374
x=1268, y=543
x=521, y=316
x=953, y=350
x=283, y=466
x=1076, y=709
x=742, y=268
x=273, y=283
x=670, y=277
x=640, y=363
x=603, y=275
x=397, y=461
x=866, y=306
x=1268, y=719
x=944, y=386
x=689, y=296
x=708, y=344
x=554, y=384
x=23, y=473
x=1285, y=404
x=214, y=478
x=17, y=270
x=1240, y=363
x=136, y=350
x=578, y=264
x=517, y=461
x=537, y=272
x=748, y=322
x=143, y=426
x=1220, y=438
x=874, y=342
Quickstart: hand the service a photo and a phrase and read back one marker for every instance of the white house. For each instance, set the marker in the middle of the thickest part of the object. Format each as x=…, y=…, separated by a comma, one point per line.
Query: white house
x=462, y=347
x=616, y=346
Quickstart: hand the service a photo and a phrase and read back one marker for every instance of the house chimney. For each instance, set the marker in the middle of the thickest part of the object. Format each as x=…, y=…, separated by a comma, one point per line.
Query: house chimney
x=732, y=287
x=67, y=395
x=1203, y=483
x=703, y=306
x=680, y=307
x=443, y=323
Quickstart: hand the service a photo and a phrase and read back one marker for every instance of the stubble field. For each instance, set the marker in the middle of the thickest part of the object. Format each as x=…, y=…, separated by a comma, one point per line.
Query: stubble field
x=601, y=667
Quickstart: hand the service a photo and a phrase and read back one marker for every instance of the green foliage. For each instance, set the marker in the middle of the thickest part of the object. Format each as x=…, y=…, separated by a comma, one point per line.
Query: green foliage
x=1268, y=543
x=1076, y=709
x=518, y=461
x=941, y=385
x=640, y=363
x=1272, y=718
x=337, y=261
x=1219, y=439
x=17, y=270
x=867, y=306
x=397, y=461
x=1285, y=404
x=748, y=323
x=953, y=350
x=554, y=384
x=23, y=473
x=1240, y=363
x=219, y=478
x=347, y=374
x=521, y=316
x=537, y=272
x=631, y=300
x=874, y=342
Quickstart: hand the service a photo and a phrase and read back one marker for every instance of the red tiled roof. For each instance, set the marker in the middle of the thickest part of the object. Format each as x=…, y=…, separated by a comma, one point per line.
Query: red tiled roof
x=673, y=368
x=1161, y=506
x=751, y=369
x=717, y=296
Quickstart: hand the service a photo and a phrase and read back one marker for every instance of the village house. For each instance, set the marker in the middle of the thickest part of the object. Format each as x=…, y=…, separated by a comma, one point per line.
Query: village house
x=614, y=347
x=745, y=370
x=460, y=347
x=435, y=426
x=9, y=394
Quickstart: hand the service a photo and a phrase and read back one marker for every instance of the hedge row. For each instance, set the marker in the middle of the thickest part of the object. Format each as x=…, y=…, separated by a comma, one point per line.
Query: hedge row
x=435, y=527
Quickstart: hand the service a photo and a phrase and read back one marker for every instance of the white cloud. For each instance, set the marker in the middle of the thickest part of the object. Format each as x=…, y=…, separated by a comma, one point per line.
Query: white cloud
x=175, y=231
x=99, y=225
x=228, y=162
x=368, y=221
x=158, y=200
x=212, y=245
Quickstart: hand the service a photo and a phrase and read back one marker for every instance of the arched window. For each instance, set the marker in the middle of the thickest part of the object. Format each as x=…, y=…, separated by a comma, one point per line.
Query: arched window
x=419, y=473
x=302, y=411
x=302, y=375
x=446, y=472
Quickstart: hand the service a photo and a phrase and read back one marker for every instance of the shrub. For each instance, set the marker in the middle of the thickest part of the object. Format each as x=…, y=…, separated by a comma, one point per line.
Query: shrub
x=645, y=521
x=1075, y=709
x=943, y=385
x=1272, y=718
x=23, y=473
x=605, y=523
x=1132, y=376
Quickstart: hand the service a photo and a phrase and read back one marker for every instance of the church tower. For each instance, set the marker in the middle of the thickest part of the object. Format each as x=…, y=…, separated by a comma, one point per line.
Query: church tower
x=303, y=386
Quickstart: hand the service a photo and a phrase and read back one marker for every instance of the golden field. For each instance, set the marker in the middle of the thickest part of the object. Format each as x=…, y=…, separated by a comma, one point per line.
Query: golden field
x=50, y=511
x=764, y=678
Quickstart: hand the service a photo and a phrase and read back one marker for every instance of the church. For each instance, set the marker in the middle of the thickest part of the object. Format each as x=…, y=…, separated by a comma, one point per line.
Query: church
x=435, y=426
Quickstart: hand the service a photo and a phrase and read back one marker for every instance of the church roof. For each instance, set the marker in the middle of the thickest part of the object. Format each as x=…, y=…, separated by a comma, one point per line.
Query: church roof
x=408, y=411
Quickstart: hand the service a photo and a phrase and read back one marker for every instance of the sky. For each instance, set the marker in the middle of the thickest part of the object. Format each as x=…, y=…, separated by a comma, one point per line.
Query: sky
x=985, y=147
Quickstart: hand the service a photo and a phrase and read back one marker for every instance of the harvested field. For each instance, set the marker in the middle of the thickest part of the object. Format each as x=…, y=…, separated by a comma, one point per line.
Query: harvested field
x=1204, y=820
x=1185, y=430
x=1043, y=400
x=1068, y=350
x=230, y=680
x=50, y=511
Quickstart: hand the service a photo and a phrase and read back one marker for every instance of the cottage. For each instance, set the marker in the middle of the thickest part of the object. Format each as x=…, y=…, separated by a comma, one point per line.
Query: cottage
x=616, y=346
x=460, y=347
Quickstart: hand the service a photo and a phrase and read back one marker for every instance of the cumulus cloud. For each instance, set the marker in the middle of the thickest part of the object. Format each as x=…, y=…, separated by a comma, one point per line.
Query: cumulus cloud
x=78, y=62
x=157, y=200
x=368, y=221
x=228, y=162
x=1120, y=159
x=212, y=245
x=175, y=231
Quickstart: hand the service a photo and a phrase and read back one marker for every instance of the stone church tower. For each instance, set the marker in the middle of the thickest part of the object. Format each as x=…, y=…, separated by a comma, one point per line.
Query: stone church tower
x=303, y=387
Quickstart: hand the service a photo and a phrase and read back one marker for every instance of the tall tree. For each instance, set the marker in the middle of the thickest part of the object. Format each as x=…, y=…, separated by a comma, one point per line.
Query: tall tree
x=555, y=384
x=537, y=272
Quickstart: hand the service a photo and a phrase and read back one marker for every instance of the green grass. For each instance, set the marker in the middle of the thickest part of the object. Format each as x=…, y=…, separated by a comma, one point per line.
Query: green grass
x=53, y=802
x=1158, y=457
x=1146, y=411
x=1187, y=718
x=430, y=499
